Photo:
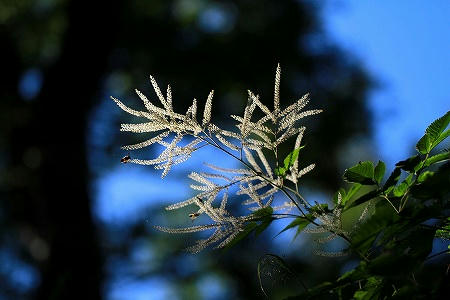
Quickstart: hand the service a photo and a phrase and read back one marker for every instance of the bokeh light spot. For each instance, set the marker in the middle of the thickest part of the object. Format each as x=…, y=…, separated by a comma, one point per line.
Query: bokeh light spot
x=30, y=84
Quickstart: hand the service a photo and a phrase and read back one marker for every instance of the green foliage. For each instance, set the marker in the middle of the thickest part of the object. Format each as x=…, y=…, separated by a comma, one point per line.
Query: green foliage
x=249, y=228
x=392, y=180
x=437, y=158
x=288, y=161
x=362, y=173
x=434, y=134
x=379, y=171
x=261, y=220
x=395, y=240
x=300, y=223
x=444, y=231
x=346, y=196
x=411, y=164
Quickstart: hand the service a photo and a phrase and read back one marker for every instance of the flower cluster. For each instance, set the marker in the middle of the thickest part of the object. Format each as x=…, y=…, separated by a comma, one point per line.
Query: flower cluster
x=250, y=145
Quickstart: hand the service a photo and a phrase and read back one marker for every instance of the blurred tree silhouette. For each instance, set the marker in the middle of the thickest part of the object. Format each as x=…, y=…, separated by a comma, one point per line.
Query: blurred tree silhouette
x=80, y=52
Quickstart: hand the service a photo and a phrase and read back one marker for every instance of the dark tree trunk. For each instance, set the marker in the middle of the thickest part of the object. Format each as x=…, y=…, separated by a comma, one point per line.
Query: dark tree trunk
x=58, y=127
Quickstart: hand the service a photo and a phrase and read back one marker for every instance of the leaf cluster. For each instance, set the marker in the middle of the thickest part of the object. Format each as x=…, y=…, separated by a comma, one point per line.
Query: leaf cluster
x=410, y=211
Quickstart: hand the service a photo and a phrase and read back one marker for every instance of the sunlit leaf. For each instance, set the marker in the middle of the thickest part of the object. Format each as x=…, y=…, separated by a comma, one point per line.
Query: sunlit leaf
x=353, y=190
x=319, y=208
x=263, y=212
x=379, y=171
x=249, y=227
x=265, y=216
x=424, y=176
x=299, y=222
x=291, y=158
x=371, y=289
x=434, y=134
x=262, y=218
x=411, y=164
x=444, y=231
x=342, y=192
x=441, y=137
x=400, y=189
x=424, y=144
x=361, y=173
x=289, y=161
x=437, y=158
x=346, y=196
x=362, y=199
x=367, y=233
x=263, y=226
x=392, y=180
x=433, y=185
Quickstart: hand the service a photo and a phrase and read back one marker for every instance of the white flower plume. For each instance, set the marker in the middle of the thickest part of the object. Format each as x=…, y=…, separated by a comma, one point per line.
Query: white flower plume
x=254, y=145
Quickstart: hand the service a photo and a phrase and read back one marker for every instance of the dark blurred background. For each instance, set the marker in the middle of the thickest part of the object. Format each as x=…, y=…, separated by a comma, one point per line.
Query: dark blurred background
x=75, y=223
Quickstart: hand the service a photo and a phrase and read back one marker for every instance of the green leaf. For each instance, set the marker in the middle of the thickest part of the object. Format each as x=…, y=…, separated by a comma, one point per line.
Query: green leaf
x=444, y=233
x=379, y=171
x=346, y=196
x=409, y=179
x=358, y=273
x=437, y=158
x=392, y=180
x=424, y=176
x=362, y=199
x=442, y=137
x=263, y=212
x=404, y=251
x=301, y=222
x=280, y=171
x=438, y=126
x=265, y=216
x=361, y=173
x=291, y=158
x=424, y=144
x=435, y=185
x=371, y=289
x=434, y=134
x=343, y=195
x=319, y=208
x=411, y=164
x=353, y=190
x=367, y=232
x=249, y=227
x=263, y=226
x=262, y=218
x=289, y=161
x=400, y=189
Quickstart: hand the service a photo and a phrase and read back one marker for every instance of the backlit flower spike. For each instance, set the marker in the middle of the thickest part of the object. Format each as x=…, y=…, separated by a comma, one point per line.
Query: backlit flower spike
x=254, y=177
x=169, y=98
x=208, y=108
x=129, y=110
x=159, y=93
x=276, y=93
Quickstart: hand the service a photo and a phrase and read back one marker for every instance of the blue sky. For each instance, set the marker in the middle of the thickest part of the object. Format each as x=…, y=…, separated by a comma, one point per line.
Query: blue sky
x=406, y=46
